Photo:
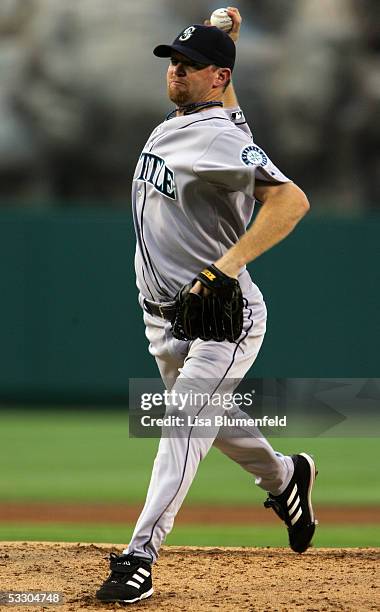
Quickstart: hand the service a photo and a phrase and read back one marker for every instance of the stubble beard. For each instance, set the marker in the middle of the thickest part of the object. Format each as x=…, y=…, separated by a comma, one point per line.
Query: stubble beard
x=180, y=98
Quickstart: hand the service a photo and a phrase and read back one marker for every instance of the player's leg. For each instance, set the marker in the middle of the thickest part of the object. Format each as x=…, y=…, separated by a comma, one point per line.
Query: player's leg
x=288, y=480
x=130, y=579
x=289, y=497
x=181, y=448
x=246, y=445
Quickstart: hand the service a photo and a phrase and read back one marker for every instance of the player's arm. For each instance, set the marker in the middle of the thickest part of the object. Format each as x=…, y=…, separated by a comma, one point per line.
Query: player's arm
x=283, y=206
x=230, y=101
x=229, y=98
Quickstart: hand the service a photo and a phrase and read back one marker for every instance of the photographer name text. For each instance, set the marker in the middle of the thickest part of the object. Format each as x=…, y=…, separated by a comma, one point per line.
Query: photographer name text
x=215, y=421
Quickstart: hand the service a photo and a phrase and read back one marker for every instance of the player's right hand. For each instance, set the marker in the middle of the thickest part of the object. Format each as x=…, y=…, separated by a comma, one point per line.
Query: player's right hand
x=233, y=12
x=234, y=33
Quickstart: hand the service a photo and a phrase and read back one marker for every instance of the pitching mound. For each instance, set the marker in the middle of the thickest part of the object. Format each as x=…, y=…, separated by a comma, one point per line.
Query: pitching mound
x=200, y=579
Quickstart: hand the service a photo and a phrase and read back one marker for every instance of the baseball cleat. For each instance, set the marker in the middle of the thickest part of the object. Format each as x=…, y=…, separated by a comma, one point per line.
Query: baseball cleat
x=294, y=506
x=130, y=580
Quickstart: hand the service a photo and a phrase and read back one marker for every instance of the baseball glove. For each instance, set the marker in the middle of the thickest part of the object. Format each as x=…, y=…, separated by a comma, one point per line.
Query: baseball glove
x=215, y=316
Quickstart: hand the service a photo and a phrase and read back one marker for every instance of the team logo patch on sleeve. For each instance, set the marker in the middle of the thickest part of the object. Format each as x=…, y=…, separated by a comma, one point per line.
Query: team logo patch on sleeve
x=253, y=156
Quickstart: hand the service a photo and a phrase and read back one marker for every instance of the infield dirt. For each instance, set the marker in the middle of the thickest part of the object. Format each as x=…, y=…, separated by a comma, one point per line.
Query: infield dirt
x=200, y=579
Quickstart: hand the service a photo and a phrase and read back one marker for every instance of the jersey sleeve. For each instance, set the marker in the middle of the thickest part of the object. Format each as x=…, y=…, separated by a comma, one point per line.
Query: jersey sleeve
x=237, y=117
x=234, y=163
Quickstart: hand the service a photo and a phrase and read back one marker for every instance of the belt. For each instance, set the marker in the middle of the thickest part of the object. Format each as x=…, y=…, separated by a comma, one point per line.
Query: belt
x=160, y=310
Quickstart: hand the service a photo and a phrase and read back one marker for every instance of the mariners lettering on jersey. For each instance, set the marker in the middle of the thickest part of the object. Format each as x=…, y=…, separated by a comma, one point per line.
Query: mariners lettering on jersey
x=253, y=156
x=157, y=173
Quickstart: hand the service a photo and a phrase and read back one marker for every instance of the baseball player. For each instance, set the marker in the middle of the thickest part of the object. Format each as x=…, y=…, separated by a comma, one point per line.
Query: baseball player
x=194, y=191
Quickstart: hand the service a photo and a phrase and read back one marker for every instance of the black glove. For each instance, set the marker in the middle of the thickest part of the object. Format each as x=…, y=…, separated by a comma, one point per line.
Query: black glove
x=216, y=316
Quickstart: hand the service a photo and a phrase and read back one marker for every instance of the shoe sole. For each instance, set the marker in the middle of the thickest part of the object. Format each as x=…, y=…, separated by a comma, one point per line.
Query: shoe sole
x=115, y=600
x=313, y=474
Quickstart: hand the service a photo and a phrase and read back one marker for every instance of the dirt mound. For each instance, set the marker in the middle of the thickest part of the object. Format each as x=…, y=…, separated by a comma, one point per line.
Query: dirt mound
x=201, y=579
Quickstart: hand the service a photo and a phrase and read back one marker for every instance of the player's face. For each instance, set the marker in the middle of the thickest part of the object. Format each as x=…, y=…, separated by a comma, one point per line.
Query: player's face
x=189, y=81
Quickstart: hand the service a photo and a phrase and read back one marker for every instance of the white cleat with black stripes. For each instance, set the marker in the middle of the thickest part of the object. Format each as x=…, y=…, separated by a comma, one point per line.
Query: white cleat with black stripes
x=294, y=505
x=130, y=580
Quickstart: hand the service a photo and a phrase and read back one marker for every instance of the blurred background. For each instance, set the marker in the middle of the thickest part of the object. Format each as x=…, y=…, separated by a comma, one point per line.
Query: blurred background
x=79, y=94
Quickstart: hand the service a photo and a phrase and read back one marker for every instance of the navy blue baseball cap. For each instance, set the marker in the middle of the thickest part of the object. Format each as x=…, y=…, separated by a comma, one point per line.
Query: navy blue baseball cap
x=203, y=44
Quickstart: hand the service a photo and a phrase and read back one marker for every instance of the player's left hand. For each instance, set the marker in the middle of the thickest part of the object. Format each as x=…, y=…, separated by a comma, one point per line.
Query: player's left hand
x=234, y=13
x=210, y=308
x=227, y=265
x=199, y=288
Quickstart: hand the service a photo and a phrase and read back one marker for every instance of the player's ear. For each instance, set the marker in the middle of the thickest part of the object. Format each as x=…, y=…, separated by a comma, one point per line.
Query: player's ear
x=222, y=77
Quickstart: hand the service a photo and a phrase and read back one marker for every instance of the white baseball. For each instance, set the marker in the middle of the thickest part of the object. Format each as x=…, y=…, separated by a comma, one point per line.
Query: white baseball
x=221, y=20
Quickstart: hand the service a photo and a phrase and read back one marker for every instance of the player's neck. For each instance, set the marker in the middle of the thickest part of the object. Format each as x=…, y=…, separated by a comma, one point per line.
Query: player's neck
x=194, y=107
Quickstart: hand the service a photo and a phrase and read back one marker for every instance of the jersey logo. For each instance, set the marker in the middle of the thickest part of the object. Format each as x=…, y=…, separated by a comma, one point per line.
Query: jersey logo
x=253, y=156
x=186, y=34
x=157, y=173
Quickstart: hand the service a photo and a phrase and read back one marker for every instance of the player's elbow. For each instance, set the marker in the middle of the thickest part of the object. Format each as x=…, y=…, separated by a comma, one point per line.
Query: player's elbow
x=300, y=202
x=305, y=204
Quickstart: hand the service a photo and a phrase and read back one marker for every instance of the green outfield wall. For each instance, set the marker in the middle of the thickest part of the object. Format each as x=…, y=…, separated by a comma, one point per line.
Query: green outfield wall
x=71, y=329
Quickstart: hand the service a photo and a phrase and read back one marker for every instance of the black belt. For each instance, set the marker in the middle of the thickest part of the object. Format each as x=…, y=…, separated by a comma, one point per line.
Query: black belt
x=160, y=310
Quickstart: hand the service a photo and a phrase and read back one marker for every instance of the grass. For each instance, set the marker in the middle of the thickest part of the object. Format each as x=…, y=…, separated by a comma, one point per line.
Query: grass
x=192, y=535
x=88, y=456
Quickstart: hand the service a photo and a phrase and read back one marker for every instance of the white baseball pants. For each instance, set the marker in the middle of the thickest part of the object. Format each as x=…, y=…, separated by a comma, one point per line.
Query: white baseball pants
x=181, y=450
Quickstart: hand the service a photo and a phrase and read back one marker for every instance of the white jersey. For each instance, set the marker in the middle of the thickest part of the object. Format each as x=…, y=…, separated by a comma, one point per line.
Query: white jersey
x=193, y=197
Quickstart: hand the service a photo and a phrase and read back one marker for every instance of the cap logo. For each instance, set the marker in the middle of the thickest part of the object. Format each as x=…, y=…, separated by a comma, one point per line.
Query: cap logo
x=253, y=156
x=186, y=34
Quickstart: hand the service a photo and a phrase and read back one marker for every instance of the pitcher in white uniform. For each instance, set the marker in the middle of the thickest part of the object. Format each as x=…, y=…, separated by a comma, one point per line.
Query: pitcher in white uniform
x=194, y=191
